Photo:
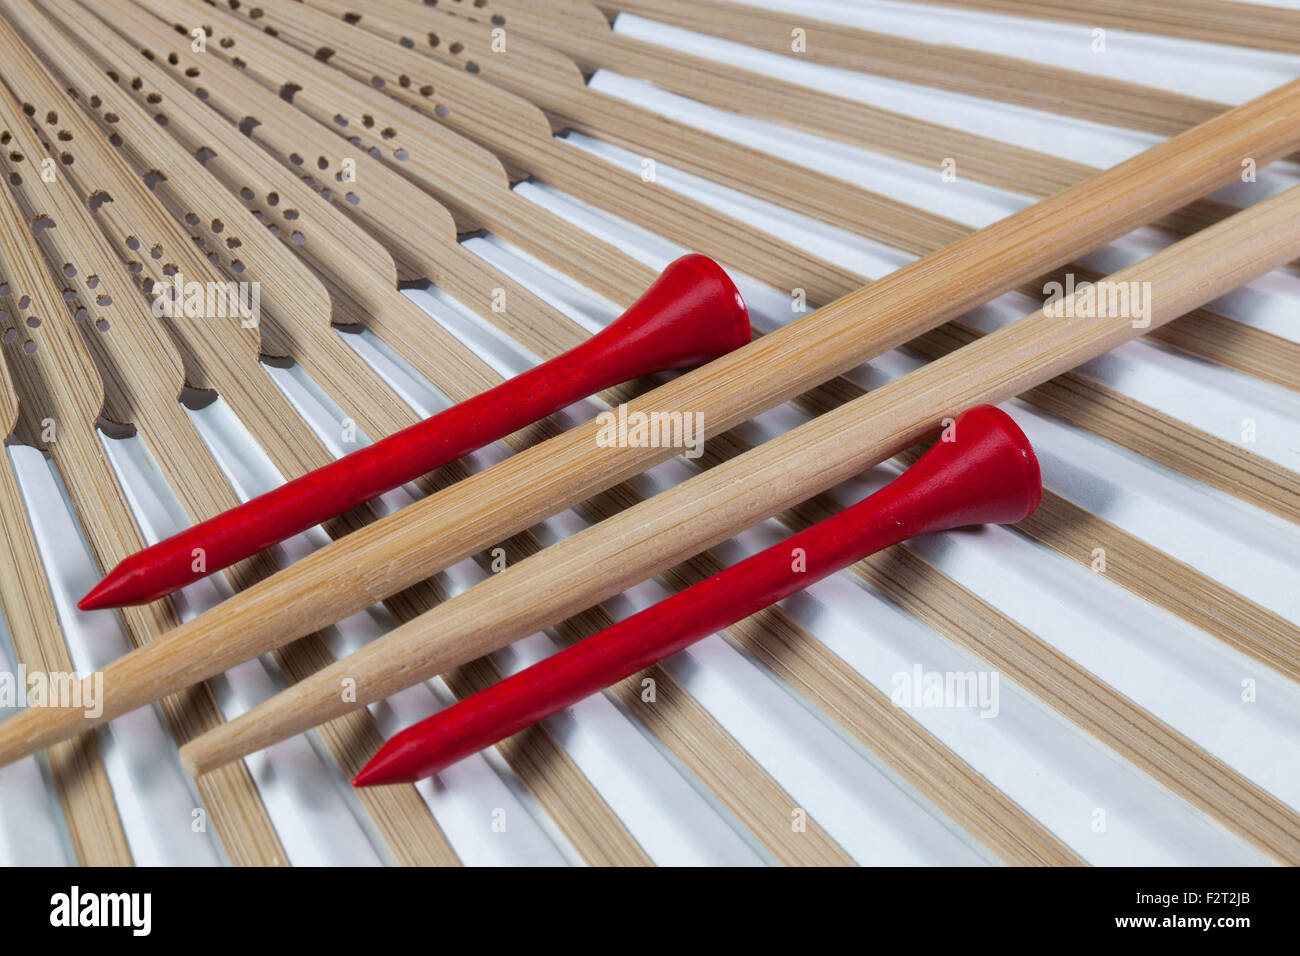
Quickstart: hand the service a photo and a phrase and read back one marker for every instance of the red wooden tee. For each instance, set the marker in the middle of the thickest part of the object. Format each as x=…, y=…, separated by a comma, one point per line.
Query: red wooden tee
x=690, y=315
x=987, y=474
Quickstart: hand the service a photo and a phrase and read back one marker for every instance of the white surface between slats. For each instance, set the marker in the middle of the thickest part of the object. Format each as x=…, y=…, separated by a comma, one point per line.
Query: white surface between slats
x=1057, y=773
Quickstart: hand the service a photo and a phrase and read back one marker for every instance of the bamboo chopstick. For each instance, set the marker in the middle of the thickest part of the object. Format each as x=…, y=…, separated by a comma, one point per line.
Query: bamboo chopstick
x=398, y=550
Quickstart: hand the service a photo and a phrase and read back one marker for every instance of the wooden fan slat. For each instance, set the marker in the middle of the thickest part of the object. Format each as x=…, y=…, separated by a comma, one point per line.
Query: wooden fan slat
x=591, y=43
x=946, y=67
x=449, y=166
x=550, y=80
x=578, y=28
x=520, y=135
x=1214, y=337
x=1252, y=25
x=1259, y=479
x=1205, y=781
x=94, y=827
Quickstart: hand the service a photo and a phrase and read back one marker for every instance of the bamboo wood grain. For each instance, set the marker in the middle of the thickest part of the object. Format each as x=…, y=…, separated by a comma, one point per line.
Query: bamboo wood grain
x=555, y=86
x=399, y=550
x=1083, y=401
x=1218, y=338
x=1211, y=21
x=446, y=164
x=81, y=783
x=553, y=82
x=580, y=30
x=337, y=312
x=943, y=66
x=1214, y=337
x=1207, y=782
x=707, y=508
